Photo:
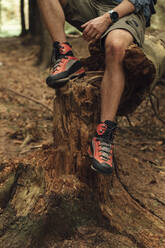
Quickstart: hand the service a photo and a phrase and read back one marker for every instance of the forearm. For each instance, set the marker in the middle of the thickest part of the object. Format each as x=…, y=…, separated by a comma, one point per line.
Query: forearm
x=123, y=9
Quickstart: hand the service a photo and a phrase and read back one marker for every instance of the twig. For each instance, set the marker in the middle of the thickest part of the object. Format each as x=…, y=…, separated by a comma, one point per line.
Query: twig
x=129, y=121
x=27, y=97
x=154, y=108
x=36, y=147
x=94, y=79
x=94, y=72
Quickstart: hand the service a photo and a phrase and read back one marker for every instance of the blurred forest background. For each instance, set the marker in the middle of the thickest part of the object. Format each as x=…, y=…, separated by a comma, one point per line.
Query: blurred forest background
x=22, y=17
x=10, y=17
x=29, y=208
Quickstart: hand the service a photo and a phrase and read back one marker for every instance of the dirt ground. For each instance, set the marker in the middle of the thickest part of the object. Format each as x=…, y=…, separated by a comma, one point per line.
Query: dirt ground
x=25, y=100
x=25, y=124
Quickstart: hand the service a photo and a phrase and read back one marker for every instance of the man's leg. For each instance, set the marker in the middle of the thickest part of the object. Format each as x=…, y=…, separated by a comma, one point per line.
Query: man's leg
x=113, y=82
x=54, y=18
x=101, y=148
x=64, y=64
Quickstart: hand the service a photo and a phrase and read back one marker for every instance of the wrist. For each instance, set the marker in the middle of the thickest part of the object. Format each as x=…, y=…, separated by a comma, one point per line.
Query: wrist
x=114, y=15
x=108, y=18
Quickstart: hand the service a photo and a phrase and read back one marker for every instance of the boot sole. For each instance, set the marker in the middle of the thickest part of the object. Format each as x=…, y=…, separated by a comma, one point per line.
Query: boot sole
x=56, y=84
x=101, y=169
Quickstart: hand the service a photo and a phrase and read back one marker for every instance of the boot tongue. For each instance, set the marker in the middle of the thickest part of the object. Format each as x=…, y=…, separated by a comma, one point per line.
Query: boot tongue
x=63, y=48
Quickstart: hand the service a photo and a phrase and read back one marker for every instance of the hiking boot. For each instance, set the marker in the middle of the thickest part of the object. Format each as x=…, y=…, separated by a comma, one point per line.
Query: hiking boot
x=64, y=66
x=101, y=148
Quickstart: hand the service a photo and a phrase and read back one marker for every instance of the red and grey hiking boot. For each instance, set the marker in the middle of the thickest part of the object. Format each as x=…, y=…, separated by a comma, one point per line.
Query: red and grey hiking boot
x=101, y=148
x=64, y=66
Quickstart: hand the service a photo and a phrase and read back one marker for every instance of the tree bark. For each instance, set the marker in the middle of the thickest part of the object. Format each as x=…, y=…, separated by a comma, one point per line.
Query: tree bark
x=0, y=15
x=39, y=34
x=34, y=19
x=23, y=25
x=46, y=48
x=53, y=198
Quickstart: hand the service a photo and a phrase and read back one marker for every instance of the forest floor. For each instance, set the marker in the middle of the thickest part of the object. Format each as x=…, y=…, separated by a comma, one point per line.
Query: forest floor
x=26, y=116
x=26, y=104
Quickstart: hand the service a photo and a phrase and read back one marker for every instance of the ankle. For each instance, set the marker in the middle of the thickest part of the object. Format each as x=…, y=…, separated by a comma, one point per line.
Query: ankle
x=62, y=49
x=110, y=124
x=106, y=130
x=61, y=43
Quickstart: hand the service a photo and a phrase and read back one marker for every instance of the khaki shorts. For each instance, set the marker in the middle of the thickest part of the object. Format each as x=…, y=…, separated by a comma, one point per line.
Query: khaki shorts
x=77, y=12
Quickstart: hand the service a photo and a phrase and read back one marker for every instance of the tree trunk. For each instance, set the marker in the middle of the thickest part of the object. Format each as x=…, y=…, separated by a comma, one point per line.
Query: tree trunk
x=0, y=15
x=46, y=47
x=34, y=19
x=23, y=25
x=39, y=34
x=53, y=198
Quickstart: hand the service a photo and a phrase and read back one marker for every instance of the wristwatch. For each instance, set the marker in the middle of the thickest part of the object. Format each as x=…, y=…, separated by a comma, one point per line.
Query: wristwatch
x=114, y=15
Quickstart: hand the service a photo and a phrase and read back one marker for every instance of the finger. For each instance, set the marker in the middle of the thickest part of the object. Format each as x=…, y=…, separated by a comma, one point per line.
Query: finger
x=93, y=38
x=87, y=38
x=97, y=36
x=93, y=35
x=87, y=29
x=90, y=32
x=85, y=24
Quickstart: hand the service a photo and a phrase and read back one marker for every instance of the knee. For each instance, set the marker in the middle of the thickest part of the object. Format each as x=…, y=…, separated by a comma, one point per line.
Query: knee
x=115, y=49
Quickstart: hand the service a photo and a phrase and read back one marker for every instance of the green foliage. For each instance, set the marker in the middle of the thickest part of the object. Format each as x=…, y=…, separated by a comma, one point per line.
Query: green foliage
x=10, y=17
x=69, y=29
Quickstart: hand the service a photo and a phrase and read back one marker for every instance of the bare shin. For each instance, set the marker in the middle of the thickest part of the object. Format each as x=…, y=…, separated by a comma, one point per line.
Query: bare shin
x=54, y=18
x=114, y=78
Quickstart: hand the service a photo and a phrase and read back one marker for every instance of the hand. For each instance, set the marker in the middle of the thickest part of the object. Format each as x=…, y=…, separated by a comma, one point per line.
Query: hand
x=94, y=28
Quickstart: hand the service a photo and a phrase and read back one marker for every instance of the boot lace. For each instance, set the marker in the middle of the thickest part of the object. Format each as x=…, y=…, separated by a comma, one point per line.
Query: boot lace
x=105, y=149
x=57, y=57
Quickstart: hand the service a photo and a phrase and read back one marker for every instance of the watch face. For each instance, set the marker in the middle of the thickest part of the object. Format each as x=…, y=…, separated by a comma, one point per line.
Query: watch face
x=114, y=16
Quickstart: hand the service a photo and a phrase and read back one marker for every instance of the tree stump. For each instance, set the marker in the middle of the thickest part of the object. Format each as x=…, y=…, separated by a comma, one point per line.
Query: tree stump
x=53, y=198
x=76, y=114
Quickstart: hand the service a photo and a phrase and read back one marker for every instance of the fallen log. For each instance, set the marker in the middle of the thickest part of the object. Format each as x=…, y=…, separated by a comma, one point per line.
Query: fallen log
x=53, y=199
